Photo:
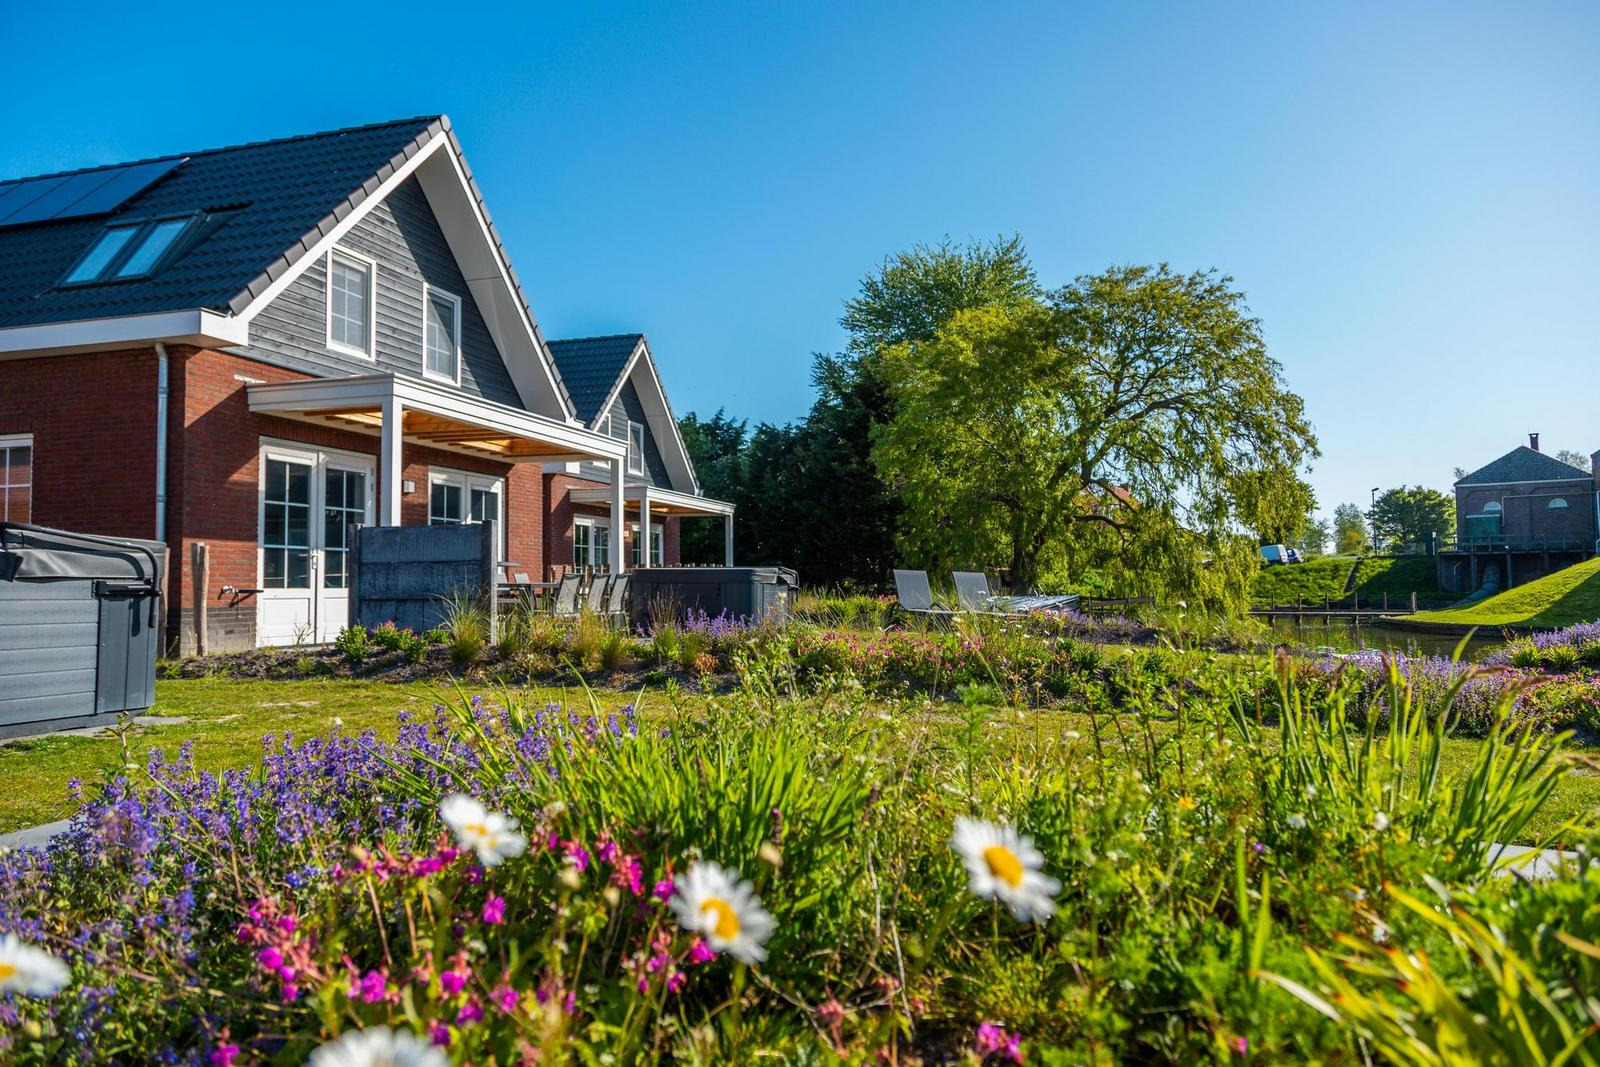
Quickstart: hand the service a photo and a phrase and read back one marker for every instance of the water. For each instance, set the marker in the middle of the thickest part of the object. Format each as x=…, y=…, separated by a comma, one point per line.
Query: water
x=1349, y=636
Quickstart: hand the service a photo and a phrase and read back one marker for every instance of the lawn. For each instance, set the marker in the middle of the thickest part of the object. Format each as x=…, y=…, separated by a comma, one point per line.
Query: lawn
x=1315, y=580
x=226, y=718
x=1564, y=598
x=1398, y=578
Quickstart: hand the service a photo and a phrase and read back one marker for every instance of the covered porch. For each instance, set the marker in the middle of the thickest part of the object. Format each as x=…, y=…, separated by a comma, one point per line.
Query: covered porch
x=651, y=502
x=400, y=410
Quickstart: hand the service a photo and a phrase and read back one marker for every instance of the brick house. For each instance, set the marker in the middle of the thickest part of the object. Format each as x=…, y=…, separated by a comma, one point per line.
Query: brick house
x=253, y=347
x=1525, y=515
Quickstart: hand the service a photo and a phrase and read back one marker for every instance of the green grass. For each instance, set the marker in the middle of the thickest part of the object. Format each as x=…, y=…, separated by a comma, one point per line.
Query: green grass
x=1398, y=578
x=1315, y=580
x=226, y=719
x=1561, y=599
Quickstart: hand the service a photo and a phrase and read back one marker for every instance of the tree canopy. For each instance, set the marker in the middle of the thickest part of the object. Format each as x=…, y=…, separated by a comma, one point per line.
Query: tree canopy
x=1349, y=529
x=1131, y=422
x=1409, y=515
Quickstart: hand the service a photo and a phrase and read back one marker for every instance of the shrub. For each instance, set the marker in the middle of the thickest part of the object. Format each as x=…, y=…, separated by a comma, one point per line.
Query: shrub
x=613, y=647
x=353, y=644
x=389, y=637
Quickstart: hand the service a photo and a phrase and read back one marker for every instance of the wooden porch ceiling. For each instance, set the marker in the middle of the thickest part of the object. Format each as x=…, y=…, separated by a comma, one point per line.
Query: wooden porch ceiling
x=423, y=428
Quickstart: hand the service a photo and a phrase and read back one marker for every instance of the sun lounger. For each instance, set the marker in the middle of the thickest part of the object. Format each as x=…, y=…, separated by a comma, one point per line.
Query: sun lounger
x=916, y=596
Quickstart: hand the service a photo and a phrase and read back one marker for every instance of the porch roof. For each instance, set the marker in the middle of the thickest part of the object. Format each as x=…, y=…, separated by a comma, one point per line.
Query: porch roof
x=667, y=502
x=437, y=415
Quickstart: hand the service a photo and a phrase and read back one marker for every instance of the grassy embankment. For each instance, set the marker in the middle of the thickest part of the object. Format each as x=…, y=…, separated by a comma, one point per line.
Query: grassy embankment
x=1561, y=599
x=1325, y=578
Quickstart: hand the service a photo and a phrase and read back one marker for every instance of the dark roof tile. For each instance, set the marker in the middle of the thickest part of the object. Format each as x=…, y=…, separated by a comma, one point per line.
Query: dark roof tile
x=1523, y=464
x=590, y=367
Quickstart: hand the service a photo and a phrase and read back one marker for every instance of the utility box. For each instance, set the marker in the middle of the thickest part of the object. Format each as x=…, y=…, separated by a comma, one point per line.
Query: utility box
x=79, y=619
x=758, y=594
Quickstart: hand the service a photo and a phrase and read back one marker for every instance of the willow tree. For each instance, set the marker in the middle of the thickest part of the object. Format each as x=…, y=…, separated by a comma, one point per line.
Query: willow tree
x=1131, y=422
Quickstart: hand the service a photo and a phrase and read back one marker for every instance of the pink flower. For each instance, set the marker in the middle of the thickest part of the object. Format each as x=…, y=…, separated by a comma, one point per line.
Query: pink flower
x=1241, y=1045
x=371, y=988
x=830, y=1011
x=270, y=958
x=606, y=850
x=700, y=952
x=663, y=889
x=471, y=1012
x=224, y=1055
x=439, y=1034
x=494, y=911
x=506, y=999
x=291, y=993
x=993, y=1040
x=578, y=855
x=452, y=983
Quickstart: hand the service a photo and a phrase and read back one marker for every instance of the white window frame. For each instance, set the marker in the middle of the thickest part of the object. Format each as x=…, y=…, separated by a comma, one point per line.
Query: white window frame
x=371, y=351
x=20, y=440
x=467, y=483
x=428, y=293
x=635, y=454
x=593, y=524
x=657, y=541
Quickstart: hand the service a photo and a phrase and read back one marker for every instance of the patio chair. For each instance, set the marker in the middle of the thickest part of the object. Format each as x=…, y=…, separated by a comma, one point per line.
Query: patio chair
x=972, y=593
x=911, y=589
x=566, y=599
x=617, y=600
x=595, y=597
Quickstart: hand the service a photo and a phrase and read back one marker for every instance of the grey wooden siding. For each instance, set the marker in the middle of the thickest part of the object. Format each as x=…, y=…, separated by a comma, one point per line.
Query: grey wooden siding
x=402, y=234
x=628, y=407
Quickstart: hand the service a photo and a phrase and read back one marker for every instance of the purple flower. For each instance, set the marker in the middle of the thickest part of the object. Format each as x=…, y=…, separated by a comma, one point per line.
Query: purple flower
x=506, y=999
x=471, y=1012
x=452, y=982
x=494, y=911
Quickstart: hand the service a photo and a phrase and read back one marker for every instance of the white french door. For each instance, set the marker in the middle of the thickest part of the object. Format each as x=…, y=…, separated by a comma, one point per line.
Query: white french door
x=309, y=499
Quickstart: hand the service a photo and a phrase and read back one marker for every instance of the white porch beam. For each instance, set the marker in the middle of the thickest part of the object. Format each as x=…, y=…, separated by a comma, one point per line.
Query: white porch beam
x=644, y=527
x=618, y=561
x=391, y=463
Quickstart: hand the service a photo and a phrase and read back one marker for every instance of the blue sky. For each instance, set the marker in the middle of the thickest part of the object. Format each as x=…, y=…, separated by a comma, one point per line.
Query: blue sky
x=1408, y=193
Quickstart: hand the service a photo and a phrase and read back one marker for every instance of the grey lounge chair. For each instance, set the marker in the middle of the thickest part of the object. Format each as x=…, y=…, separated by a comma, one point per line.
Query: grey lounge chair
x=617, y=600
x=566, y=600
x=595, y=598
x=915, y=595
x=972, y=591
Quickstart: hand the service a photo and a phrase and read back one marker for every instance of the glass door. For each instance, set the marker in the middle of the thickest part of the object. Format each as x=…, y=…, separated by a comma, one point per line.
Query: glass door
x=344, y=501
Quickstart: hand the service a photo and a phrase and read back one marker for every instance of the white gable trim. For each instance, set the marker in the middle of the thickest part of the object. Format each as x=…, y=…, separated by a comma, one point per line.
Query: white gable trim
x=658, y=413
x=511, y=324
x=196, y=327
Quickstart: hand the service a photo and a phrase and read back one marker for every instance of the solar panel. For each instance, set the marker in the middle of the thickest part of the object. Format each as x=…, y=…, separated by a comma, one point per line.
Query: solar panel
x=74, y=196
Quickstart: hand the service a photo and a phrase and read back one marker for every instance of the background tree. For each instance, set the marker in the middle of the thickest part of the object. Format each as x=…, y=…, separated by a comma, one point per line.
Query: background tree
x=1577, y=459
x=1408, y=515
x=1289, y=526
x=716, y=447
x=1350, y=533
x=1314, y=541
x=1133, y=422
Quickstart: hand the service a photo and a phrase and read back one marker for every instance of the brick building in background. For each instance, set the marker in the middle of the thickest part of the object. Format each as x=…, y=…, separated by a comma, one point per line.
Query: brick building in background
x=254, y=347
x=1523, y=516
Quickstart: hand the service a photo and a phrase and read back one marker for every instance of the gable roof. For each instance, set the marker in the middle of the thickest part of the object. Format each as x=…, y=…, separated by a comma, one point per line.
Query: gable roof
x=592, y=368
x=289, y=200
x=1523, y=464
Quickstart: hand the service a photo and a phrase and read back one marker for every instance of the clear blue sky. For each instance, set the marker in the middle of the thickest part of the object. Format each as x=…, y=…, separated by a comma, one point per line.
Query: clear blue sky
x=1409, y=193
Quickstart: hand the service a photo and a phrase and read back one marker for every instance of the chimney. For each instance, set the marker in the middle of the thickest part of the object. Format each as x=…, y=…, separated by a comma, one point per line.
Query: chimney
x=1533, y=441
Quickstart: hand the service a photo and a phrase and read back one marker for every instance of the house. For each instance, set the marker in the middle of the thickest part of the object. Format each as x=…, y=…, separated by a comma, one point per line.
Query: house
x=255, y=347
x=1525, y=515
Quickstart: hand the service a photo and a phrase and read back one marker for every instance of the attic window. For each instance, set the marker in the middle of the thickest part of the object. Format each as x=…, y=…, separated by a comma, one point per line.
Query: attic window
x=133, y=250
x=1556, y=503
x=1491, y=506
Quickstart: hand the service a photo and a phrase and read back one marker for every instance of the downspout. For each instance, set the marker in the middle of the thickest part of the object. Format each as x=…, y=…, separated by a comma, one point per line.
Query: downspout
x=161, y=441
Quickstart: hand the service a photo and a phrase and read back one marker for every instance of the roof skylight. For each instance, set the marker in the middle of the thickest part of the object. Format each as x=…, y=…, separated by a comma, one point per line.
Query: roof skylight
x=133, y=250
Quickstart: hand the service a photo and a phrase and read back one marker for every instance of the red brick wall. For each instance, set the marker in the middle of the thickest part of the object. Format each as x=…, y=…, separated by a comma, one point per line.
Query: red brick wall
x=558, y=525
x=215, y=473
x=93, y=421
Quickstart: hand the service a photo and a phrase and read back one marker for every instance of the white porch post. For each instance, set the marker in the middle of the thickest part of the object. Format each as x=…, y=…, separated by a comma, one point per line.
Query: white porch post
x=391, y=465
x=644, y=526
x=618, y=562
x=727, y=539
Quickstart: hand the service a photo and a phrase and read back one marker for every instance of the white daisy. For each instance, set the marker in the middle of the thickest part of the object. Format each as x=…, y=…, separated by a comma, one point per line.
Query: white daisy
x=1003, y=865
x=714, y=903
x=491, y=835
x=28, y=970
x=1380, y=821
x=378, y=1047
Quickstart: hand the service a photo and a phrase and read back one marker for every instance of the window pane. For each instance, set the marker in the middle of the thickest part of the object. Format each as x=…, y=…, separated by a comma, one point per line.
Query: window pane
x=159, y=239
x=485, y=505
x=439, y=340
x=103, y=252
x=444, y=503
x=635, y=448
x=272, y=568
x=299, y=576
x=349, y=315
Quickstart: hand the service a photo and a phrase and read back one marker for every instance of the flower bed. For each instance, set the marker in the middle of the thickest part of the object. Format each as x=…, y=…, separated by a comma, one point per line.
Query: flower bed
x=748, y=877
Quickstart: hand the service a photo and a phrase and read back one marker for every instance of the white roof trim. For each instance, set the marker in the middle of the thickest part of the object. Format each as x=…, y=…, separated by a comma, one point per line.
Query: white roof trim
x=670, y=498
x=663, y=425
x=196, y=327
x=510, y=322
x=314, y=395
